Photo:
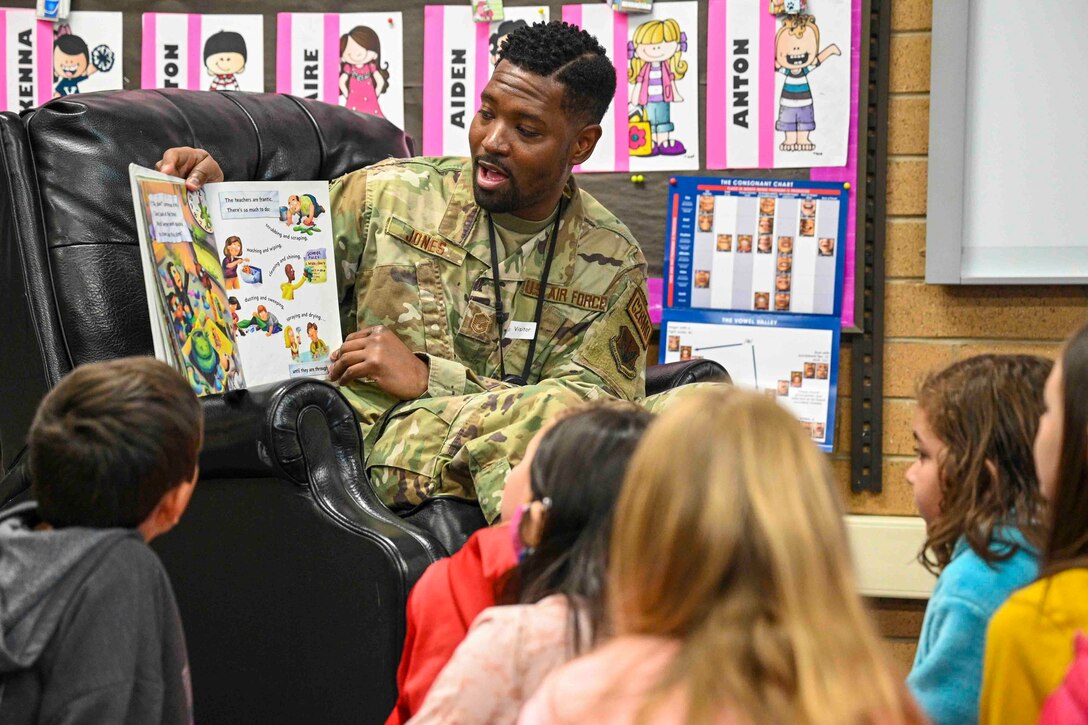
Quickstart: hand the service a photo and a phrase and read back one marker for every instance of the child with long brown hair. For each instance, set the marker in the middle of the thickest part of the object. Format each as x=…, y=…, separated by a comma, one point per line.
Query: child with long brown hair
x=974, y=483
x=730, y=585
x=1030, y=643
x=568, y=481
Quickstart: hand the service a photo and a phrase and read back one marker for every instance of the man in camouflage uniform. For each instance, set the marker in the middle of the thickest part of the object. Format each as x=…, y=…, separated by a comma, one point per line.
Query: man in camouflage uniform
x=421, y=361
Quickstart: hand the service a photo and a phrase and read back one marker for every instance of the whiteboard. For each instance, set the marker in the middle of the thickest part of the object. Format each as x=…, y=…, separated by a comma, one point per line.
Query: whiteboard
x=1008, y=151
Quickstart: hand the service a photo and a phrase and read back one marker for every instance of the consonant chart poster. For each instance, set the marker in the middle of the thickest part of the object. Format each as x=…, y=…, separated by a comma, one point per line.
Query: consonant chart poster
x=791, y=358
x=764, y=245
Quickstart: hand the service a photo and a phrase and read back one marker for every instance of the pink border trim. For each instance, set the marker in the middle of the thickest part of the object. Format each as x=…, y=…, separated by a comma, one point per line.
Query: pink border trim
x=483, y=60
x=330, y=88
x=433, y=48
x=572, y=14
x=619, y=104
x=283, y=53
x=849, y=172
x=43, y=42
x=196, y=57
x=767, y=25
x=4, y=54
x=717, y=91
x=147, y=52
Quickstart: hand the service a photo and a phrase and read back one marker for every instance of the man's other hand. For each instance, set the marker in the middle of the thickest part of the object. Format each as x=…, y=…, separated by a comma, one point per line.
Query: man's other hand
x=376, y=354
x=196, y=166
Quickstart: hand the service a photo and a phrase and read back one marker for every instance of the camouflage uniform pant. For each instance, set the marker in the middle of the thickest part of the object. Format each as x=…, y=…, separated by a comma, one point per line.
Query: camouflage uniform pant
x=461, y=446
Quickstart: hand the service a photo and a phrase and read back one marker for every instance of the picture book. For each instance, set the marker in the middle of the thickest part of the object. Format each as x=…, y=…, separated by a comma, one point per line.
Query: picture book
x=239, y=277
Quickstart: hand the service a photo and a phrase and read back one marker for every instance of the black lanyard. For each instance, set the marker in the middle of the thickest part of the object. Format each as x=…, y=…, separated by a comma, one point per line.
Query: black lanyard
x=500, y=313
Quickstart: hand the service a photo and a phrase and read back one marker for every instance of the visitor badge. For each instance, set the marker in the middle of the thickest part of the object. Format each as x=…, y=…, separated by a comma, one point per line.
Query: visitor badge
x=520, y=330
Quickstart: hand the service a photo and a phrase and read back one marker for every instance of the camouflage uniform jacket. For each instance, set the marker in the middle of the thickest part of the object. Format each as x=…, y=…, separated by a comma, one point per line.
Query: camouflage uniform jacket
x=413, y=254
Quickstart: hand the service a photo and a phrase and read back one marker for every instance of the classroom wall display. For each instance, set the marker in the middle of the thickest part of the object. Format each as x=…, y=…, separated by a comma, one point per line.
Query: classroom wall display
x=354, y=60
x=653, y=123
x=768, y=245
x=209, y=52
x=793, y=359
x=458, y=57
x=44, y=60
x=779, y=88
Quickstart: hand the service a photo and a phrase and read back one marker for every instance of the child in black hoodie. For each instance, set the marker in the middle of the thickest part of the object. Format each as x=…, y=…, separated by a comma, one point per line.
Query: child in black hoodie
x=89, y=631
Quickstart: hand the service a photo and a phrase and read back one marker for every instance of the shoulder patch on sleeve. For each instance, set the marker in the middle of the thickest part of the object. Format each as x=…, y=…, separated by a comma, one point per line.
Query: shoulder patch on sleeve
x=639, y=313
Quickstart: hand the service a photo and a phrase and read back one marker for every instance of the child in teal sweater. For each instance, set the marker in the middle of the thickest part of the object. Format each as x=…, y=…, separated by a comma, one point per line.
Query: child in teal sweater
x=974, y=484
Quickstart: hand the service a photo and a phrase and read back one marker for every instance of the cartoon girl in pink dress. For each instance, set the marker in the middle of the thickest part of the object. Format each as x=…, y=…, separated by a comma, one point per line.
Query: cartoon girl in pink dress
x=362, y=76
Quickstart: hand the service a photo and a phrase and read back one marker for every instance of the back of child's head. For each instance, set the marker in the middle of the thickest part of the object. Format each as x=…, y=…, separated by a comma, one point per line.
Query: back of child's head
x=1067, y=539
x=110, y=440
x=985, y=411
x=729, y=538
x=579, y=467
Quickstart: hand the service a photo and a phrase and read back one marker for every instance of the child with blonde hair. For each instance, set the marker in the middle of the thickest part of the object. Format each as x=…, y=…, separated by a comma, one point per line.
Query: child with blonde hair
x=974, y=483
x=656, y=64
x=1037, y=637
x=730, y=586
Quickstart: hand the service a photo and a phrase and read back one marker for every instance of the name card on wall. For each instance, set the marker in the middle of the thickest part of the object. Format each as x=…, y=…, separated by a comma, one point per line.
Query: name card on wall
x=653, y=122
x=354, y=60
x=44, y=60
x=458, y=57
x=203, y=52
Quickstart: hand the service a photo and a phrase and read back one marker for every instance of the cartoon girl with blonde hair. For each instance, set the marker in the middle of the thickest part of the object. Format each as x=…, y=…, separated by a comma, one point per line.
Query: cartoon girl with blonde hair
x=655, y=66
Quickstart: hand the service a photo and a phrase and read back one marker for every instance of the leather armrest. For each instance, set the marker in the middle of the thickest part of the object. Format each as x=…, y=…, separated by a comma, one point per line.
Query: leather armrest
x=660, y=378
x=301, y=430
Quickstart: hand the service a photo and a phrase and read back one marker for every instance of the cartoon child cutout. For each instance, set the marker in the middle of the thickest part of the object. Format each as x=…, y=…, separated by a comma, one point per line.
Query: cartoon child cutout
x=232, y=257
x=499, y=36
x=73, y=61
x=362, y=76
x=796, y=55
x=287, y=289
x=655, y=67
x=318, y=349
x=225, y=59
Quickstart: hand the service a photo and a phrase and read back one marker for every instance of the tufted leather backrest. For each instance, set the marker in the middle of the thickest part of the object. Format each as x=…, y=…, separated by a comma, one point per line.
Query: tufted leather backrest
x=70, y=274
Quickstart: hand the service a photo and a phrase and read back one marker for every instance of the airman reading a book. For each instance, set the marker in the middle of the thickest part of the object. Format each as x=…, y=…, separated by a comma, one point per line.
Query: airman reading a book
x=440, y=259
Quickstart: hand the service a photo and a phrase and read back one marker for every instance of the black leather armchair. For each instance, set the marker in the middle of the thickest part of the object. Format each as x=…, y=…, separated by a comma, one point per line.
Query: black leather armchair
x=290, y=575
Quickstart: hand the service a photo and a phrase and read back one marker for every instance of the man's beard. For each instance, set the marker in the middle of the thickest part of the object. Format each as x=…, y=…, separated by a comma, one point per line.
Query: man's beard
x=502, y=201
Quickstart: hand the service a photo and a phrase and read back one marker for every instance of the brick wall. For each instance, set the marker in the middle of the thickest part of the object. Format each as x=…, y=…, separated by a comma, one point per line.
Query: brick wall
x=930, y=326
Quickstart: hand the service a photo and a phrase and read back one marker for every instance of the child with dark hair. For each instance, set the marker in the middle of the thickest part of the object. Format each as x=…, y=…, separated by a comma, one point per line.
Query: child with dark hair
x=568, y=483
x=975, y=485
x=89, y=631
x=1036, y=667
x=71, y=64
x=363, y=76
x=224, y=59
x=498, y=38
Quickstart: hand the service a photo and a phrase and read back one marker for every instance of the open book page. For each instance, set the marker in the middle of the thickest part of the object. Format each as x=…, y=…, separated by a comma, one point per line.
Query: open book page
x=186, y=294
x=275, y=246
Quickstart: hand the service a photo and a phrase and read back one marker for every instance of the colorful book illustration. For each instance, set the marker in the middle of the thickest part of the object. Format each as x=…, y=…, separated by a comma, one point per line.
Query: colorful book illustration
x=238, y=279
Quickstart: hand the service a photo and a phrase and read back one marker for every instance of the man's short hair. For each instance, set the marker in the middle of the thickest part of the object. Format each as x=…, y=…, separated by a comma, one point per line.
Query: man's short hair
x=225, y=41
x=570, y=55
x=72, y=45
x=110, y=440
